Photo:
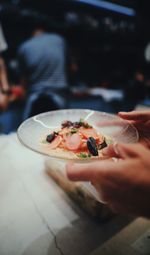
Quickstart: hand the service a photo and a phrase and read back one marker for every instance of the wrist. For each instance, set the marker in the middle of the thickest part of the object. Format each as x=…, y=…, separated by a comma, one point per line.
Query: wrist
x=6, y=92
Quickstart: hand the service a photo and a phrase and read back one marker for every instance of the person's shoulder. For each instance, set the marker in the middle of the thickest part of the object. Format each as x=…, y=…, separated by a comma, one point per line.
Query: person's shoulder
x=54, y=36
x=25, y=46
x=20, y=49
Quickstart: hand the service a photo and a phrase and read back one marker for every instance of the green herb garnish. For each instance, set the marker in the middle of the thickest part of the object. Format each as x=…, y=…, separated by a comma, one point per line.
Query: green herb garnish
x=74, y=130
x=84, y=155
x=84, y=124
x=81, y=121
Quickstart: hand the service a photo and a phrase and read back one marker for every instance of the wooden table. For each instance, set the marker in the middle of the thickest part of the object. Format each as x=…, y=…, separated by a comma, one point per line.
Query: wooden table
x=38, y=218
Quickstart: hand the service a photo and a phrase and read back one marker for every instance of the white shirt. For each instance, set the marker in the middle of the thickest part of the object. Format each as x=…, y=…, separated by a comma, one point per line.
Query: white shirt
x=3, y=44
x=147, y=52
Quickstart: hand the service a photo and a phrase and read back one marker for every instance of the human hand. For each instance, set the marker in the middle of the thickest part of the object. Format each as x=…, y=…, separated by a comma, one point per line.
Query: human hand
x=4, y=101
x=141, y=120
x=124, y=185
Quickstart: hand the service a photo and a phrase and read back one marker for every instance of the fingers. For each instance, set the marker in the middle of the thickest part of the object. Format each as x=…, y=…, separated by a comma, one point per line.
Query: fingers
x=110, y=122
x=126, y=151
x=123, y=151
x=135, y=115
x=102, y=170
x=80, y=172
x=111, y=151
x=91, y=171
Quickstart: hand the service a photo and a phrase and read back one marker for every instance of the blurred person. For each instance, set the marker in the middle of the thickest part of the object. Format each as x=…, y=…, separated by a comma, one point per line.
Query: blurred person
x=135, y=92
x=42, y=63
x=10, y=95
x=4, y=85
x=123, y=185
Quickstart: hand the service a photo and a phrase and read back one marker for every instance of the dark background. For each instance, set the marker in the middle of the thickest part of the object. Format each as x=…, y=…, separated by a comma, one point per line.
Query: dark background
x=107, y=45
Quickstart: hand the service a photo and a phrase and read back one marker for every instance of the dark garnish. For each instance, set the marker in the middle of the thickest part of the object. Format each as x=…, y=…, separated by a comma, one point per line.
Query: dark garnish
x=51, y=137
x=67, y=124
x=81, y=123
x=74, y=130
x=77, y=124
x=92, y=146
x=84, y=124
x=102, y=145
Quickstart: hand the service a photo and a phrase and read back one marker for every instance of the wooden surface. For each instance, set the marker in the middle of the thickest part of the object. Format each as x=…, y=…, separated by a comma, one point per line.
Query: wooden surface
x=38, y=218
x=78, y=192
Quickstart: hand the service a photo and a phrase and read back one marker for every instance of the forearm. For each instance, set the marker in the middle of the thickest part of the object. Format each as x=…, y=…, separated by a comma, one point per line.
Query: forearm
x=4, y=85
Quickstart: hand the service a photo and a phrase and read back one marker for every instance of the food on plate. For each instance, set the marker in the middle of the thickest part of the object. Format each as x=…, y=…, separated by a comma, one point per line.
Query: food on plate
x=75, y=140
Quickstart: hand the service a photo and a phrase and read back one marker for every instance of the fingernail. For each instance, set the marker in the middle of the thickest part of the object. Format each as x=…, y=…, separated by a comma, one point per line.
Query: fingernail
x=122, y=113
x=116, y=149
x=119, y=151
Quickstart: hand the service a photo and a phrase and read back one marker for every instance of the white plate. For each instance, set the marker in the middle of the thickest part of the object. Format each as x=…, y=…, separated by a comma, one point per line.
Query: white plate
x=31, y=130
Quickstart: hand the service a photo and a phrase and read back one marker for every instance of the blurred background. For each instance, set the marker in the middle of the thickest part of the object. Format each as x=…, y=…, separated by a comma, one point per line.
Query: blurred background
x=57, y=54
